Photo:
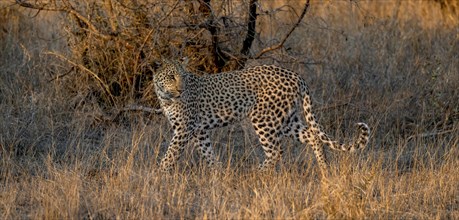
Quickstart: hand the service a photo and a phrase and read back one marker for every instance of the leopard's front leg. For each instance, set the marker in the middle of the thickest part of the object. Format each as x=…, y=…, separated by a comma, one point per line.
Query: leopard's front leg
x=174, y=150
x=205, y=148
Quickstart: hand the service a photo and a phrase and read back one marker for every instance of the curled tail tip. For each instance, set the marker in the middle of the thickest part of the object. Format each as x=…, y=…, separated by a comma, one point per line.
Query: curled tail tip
x=364, y=134
x=364, y=129
x=363, y=126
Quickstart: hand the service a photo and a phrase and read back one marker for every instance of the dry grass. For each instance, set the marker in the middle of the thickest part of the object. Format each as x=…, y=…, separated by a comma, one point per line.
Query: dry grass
x=392, y=65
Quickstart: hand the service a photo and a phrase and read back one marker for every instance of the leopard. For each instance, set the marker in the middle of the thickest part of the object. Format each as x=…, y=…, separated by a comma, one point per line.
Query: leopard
x=275, y=100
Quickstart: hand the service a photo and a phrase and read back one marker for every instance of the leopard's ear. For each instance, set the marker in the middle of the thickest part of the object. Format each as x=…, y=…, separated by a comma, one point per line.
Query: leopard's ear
x=184, y=61
x=156, y=64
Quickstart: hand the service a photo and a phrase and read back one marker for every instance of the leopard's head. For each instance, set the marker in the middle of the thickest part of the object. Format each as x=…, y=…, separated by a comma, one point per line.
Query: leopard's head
x=168, y=79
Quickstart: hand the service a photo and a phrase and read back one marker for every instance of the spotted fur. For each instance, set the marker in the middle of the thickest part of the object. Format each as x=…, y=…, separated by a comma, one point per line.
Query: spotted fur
x=273, y=98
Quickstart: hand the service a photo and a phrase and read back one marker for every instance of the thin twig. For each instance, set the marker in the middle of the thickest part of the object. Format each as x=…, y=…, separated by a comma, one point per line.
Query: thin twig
x=62, y=75
x=334, y=106
x=142, y=108
x=281, y=44
x=94, y=75
x=428, y=134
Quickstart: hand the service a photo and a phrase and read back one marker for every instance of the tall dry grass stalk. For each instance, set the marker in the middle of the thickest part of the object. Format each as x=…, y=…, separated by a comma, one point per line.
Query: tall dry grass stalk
x=393, y=64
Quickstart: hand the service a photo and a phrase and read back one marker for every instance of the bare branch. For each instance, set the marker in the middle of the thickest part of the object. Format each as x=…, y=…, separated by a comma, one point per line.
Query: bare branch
x=69, y=10
x=114, y=115
x=281, y=44
x=37, y=6
x=113, y=22
x=247, y=44
x=169, y=13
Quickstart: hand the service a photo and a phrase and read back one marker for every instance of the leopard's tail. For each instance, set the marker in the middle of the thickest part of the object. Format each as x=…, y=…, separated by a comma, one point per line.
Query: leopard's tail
x=360, y=142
